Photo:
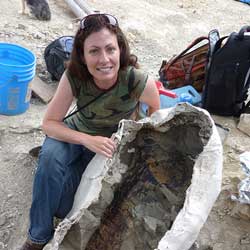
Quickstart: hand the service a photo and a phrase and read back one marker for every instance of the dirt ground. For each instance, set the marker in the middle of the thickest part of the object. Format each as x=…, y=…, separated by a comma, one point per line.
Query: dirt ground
x=156, y=29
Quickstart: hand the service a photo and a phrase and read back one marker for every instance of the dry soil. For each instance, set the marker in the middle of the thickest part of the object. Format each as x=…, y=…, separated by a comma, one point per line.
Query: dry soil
x=157, y=29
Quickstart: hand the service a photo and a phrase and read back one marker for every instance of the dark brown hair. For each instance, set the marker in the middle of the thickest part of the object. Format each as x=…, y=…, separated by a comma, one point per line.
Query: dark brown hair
x=76, y=65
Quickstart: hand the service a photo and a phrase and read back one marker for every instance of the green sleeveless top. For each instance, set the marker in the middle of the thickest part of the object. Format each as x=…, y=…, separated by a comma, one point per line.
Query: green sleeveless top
x=102, y=116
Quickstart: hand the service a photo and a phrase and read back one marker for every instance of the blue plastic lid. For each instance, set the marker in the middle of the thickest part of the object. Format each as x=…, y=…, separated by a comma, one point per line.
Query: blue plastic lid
x=186, y=97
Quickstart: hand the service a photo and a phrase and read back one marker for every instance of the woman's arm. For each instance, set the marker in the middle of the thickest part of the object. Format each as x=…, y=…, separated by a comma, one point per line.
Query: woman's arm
x=150, y=96
x=54, y=127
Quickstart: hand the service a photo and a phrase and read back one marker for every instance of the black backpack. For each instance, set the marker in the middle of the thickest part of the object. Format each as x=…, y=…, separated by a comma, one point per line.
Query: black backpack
x=56, y=54
x=227, y=75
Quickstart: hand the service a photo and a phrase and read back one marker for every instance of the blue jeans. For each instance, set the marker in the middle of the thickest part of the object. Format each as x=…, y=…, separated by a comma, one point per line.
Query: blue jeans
x=59, y=171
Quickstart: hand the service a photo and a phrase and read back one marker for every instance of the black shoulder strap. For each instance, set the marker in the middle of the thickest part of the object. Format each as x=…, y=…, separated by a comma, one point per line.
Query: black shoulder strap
x=213, y=38
x=131, y=84
x=131, y=80
x=246, y=108
x=84, y=106
x=219, y=43
x=242, y=31
x=130, y=89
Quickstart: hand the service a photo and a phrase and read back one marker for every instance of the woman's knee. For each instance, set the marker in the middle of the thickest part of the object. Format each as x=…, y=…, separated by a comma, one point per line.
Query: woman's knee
x=53, y=155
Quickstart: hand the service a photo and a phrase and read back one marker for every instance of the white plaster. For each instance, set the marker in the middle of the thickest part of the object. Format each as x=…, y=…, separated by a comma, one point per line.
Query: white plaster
x=200, y=196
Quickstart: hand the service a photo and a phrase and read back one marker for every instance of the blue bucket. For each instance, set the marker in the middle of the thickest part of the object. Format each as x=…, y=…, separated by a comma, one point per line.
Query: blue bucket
x=17, y=69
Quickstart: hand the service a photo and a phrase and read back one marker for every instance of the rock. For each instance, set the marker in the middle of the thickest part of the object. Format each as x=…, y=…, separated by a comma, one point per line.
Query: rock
x=2, y=245
x=9, y=196
x=5, y=235
x=245, y=242
x=241, y=211
x=3, y=219
x=21, y=26
x=243, y=124
x=132, y=201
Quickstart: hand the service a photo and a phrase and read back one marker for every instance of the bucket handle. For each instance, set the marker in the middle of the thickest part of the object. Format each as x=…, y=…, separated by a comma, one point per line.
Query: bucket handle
x=12, y=79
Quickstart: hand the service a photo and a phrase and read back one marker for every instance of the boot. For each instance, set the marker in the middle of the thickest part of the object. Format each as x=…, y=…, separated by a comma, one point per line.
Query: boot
x=29, y=245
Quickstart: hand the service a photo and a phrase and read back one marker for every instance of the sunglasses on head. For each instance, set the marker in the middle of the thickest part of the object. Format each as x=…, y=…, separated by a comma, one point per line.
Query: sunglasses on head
x=88, y=21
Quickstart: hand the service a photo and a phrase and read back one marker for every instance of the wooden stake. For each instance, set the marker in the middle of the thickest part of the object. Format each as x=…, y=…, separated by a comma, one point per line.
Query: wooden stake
x=42, y=90
x=76, y=9
x=83, y=5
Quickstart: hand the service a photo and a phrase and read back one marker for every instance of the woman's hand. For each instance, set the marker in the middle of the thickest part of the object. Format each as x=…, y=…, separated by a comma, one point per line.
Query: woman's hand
x=100, y=145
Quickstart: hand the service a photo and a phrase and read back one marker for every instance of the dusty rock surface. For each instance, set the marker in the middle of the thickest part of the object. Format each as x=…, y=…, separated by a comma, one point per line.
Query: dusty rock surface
x=156, y=30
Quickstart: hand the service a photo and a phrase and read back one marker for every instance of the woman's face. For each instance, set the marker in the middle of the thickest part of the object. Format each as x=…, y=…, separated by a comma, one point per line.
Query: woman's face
x=102, y=57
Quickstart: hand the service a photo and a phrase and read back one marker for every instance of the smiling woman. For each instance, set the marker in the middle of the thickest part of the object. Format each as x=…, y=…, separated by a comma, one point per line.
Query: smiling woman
x=102, y=76
x=102, y=57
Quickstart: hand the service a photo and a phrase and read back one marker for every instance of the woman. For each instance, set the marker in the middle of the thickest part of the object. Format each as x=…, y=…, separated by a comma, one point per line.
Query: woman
x=100, y=77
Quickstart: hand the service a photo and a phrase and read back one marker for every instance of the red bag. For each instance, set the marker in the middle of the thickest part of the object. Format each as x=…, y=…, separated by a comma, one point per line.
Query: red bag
x=186, y=68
